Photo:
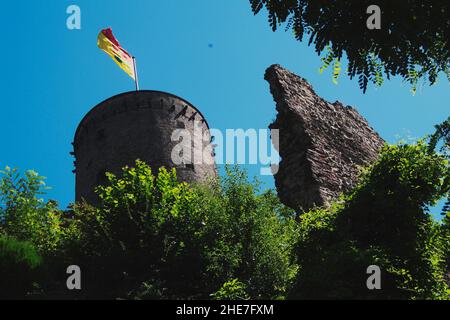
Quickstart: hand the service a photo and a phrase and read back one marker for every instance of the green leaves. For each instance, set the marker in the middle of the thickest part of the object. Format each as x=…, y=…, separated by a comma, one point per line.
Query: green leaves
x=412, y=43
x=383, y=221
x=327, y=60
x=256, y=234
x=155, y=237
x=231, y=290
x=24, y=215
x=19, y=262
x=189, y=240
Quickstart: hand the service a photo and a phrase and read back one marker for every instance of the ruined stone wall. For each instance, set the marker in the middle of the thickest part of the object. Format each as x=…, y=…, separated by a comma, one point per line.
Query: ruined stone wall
x=138, y=125
x=321, y=144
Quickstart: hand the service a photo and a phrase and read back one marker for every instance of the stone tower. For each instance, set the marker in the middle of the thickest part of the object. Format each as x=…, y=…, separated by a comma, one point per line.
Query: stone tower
x=140, y=125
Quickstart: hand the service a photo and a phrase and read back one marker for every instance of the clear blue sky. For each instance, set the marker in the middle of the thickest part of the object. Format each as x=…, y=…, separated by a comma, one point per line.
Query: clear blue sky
x=212, y=53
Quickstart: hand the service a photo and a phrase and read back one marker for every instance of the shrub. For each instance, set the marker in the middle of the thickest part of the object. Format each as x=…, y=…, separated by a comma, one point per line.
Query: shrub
x=231, y=290
x=24, y=215
x=254, y=236
x=154, y=237
x=19, y=263
x=383, y=221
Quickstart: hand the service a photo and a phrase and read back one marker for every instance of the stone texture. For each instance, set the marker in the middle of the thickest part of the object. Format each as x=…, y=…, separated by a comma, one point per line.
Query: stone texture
x=322, y=145
x=138, y=125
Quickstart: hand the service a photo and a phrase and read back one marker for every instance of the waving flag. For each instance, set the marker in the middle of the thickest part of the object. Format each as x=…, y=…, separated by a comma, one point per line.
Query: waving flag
x=108, y=43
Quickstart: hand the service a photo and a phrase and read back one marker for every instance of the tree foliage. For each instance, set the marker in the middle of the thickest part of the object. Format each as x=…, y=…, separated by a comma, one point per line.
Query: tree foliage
x=384, y=221
x=24, y=215
x=154, y=237
x=231, y=290
x=19, y=264
x=440, y=141
x=413, y=41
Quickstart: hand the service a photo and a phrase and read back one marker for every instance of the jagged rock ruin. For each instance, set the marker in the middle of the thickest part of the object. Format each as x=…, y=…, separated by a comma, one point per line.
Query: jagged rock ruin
x=322, y=145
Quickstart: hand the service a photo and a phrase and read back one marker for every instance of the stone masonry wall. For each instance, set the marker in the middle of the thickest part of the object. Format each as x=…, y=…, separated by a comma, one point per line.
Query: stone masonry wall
x=321, y=144
x=139, y=125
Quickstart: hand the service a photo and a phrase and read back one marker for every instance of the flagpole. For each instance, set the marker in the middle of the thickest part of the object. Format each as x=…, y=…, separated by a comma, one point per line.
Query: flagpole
x=136, y=79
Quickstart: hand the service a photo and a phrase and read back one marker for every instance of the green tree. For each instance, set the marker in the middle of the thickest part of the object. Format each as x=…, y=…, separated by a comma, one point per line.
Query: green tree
x=412, y=42
x=440, y=141
x=255, y=236
x=384, y=221
x=231, y=290
x=24, y=215
x=154, y=237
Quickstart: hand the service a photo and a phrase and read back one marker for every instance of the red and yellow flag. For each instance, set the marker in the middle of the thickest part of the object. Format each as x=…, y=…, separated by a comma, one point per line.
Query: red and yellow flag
x=108, y=43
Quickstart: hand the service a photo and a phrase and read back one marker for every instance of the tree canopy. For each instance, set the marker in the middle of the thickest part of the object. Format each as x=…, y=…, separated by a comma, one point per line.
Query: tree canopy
x=153, y=237
x=413, y=41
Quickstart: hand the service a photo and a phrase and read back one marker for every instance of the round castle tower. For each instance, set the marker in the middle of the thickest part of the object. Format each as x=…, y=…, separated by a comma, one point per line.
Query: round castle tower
x=139, y=125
